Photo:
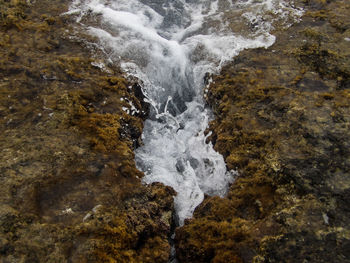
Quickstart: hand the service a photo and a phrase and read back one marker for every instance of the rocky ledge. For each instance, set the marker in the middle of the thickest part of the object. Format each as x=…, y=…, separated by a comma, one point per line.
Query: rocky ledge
x=283, y=121
x=70, y=191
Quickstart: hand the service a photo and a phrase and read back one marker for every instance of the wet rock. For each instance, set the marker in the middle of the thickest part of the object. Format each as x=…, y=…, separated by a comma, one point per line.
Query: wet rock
x=70, y=191
x=282, y=119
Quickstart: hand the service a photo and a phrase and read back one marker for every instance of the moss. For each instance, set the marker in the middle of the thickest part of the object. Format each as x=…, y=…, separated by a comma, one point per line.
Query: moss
x=327, y=62
x=69, y=179
x=12, y=14
x=221, y=242
x=278, y=118
x=103, y=129
x=314, y=34
x=319, y=14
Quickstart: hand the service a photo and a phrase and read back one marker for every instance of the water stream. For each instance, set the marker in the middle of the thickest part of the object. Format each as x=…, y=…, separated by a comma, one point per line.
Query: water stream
x=170, y=45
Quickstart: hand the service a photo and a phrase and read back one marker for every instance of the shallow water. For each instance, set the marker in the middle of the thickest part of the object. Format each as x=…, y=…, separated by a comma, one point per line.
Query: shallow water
x=170, y=46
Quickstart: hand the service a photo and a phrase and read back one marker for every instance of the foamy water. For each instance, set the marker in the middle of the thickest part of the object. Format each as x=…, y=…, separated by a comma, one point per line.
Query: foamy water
x=170, y=46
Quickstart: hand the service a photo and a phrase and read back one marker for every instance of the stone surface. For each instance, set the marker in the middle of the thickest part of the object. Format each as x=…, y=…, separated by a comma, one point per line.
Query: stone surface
x=282, y=120
x=70, y=191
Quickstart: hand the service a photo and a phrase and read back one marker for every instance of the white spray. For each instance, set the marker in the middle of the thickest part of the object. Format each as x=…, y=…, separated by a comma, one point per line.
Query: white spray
x=170, y=45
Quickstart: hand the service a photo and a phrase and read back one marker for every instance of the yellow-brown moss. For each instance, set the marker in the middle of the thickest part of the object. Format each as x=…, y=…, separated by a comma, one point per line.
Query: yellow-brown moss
x=70, y=188
x=280, y=124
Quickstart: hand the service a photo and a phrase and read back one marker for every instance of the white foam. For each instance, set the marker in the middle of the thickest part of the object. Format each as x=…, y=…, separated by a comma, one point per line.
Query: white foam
x=170, y=47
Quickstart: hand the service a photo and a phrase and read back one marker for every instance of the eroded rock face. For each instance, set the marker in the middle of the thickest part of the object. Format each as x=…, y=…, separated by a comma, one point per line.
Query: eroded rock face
x=70, y=191
x=282, y=120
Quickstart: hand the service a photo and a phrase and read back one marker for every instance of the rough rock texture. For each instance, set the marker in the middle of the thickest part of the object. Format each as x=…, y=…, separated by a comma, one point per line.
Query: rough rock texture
x=70, y=191
x=283, y=121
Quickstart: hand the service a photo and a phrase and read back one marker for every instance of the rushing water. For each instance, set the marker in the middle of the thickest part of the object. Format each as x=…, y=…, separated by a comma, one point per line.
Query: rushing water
x=170, y=45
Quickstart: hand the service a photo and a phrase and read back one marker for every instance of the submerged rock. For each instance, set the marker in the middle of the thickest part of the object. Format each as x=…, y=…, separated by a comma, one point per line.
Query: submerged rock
x=70, y=191
x=282, y=119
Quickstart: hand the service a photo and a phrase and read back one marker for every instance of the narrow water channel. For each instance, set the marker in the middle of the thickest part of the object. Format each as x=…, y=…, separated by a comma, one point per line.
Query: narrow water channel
x=170, y=45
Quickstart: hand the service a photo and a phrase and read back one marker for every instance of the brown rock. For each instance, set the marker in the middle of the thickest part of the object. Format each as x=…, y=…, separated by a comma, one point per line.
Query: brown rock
x=70, y=191
x=282, y=119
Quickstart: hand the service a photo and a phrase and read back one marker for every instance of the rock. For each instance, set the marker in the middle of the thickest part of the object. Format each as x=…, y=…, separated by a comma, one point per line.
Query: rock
x=70, y=191
x=282, y=119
